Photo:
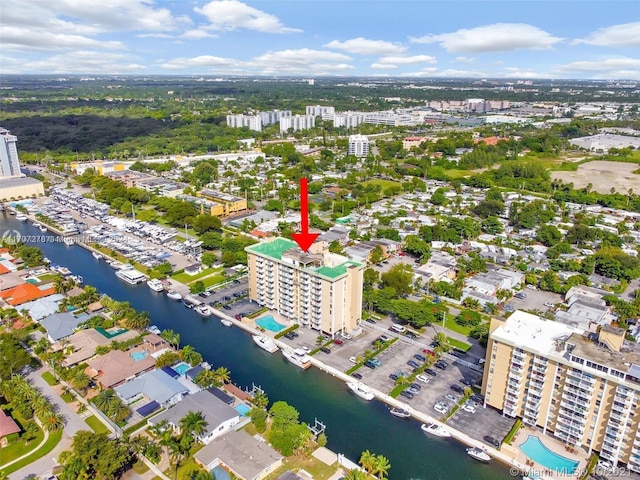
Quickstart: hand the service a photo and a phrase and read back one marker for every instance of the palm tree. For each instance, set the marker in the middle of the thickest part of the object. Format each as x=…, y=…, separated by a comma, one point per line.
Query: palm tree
x=190, y=355
x=223, y=375
x=81, y=381
x=175, y=454
x=205, y=379
x=381, y=467
x=193, y=423
x=172, y=337
x=118, y=411
x=41, y=407
x=368, y=461
x=157, y=429
x=53, y=422
x=356, y=475
x=105, y=399
x=260, y=400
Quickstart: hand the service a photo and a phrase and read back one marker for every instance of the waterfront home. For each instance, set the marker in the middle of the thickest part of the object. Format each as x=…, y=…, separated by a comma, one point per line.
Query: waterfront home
x=240, y=453
x=25, y=292
x=42, y=307
x=61, y=325
x=219, y=416
x=83, y=343
x=156, y=386
x=7, y=427
x=114, y=368
x=194, y=269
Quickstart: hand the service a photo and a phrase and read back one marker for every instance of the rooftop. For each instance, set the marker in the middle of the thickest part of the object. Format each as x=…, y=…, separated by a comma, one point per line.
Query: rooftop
x=591, y=350
x=273, y=249
x=338, y=270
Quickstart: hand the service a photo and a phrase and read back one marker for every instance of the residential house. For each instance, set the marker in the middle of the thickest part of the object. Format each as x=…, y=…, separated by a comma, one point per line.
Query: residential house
x=219, y=416
x=155, y=386
x=7, y=427
x=240, y=453
x=114, y=368
x=194, y=269
x=83, y=344
x=441, y=267
x=42, y=307
x=25, y=292
x=61, y=325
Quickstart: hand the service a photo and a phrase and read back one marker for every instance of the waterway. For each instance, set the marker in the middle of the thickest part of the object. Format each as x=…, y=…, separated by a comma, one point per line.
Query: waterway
x=353, y=425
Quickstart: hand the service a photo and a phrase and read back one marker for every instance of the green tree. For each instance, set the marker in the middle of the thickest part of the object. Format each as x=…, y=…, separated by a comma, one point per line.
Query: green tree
x=400, y=278
x=94, y=455
x=193, y=423
x=548, y=235
x=377, y=254
x=209, y=258
x=206, y=223
x=197, y=287
x=205, y=379
x=368, y=461
x=414, y=245
x=381, y=467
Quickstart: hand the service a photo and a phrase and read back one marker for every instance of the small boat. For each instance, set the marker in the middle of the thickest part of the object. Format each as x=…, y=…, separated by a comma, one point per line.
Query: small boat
x=11, y=211
x=155, y=285
x=116, y=265
x=173, y=295
x=203, y=310
x=21, y=217
x=153, y=329
x=226, y=323
x=361, y=390
x=77, y=278
x=63, y=271
x=68, y=241
x=399, y=412
x=97, y=255
x=265, y=343
x=42, y=228
x=478, y=454
x=187, y=304
x=35, y=224
x=298, y=357
x=435, y=430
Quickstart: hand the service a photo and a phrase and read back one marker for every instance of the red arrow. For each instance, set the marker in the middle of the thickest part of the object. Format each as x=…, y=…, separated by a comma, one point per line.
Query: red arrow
x=304, y=239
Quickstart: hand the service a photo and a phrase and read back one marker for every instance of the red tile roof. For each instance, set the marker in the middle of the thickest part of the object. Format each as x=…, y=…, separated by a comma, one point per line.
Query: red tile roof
x=25, y=293
x=3, y=269
x=7, y=425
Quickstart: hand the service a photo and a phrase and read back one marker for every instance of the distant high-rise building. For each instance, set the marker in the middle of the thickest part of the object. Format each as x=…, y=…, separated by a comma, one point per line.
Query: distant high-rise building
x=253, y=122
x=297, y=122
x=9, y=160
x=273, y=116
x=358, y=145
x=320, y=110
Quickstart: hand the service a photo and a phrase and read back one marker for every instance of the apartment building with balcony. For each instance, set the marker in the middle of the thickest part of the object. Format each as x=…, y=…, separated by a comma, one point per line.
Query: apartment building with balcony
x=581, y=387
x=317, y=289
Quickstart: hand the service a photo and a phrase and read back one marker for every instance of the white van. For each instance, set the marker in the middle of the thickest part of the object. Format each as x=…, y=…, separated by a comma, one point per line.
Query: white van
x=398, y=328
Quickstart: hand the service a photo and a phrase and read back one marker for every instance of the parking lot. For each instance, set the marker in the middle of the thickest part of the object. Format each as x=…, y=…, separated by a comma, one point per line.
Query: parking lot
x=535, y=300
x=232, y=298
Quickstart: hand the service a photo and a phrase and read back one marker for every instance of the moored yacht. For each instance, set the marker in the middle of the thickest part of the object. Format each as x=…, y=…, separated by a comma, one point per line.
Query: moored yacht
x=226, y=323
x=173, y=295
x=97, y=256
x=155, y=285
x=116, y=265
x=399, y=412
x=361, y=390
x=42, y=228
x=436, y=430
x=478, y=454
x=131, y=276
x=21, y=217
x=265, y=343
x=298, y=357
x=203, y=310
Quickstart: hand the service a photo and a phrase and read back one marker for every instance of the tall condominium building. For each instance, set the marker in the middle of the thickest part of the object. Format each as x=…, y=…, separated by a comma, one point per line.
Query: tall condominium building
x=319, y=110
x=9, y=160
x=253, y=122
x=581, y=387
x=297, y=122
x=273, y=116
x=358, y=145
x=347, y=119
x=317, y=289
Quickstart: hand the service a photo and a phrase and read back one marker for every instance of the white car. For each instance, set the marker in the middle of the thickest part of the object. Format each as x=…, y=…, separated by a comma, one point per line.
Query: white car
x=469, y=408
x=549, y=304
x=440, y=408
x=422, y=378
x=451, y=397
x=353, y=360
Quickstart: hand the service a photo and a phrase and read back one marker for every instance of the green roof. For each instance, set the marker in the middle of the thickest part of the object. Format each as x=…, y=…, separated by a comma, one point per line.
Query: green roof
x=273, y=249
x=334, y=272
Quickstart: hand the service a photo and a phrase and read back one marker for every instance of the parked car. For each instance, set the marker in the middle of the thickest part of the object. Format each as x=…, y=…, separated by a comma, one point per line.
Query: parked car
x=466, y=381
x=440, y=366
x=370, y=364
x=370, y=320
x=451, y=397
x=356, y=375
x=456, y=388
x=416, y=386
x=353, y=360
x=441, y=408
x=508, y=308
x=422, y=378
x=549, y=304
x=414, y=391
x=410, y=335
x=393, y=376
x=492, y=441
x=337, y=341
x=468, y=408
x=413, y=363
x=407, y=394
x=422, y=358
x=428, y=371
x=520, y=295
x=325, y=350
x=376, y=362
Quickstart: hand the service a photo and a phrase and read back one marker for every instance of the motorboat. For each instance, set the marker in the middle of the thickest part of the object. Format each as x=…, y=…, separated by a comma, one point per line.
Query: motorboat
x=265, y=343
x=35, y=224
x=154, y=329
x=116, y=265
x=298, y=357
x=203, y=310
x=77, y=278
x=361, y=390
x=478, y=454
x=399, y=412
x=68, y=241
x=435, y=430
x=131, y=276
x=173, y=295
x=97, y=256
x=155, y=285
x=63, y=271
x=21, y=217
x=42, y=228
x=226, y=323
x=11, y=211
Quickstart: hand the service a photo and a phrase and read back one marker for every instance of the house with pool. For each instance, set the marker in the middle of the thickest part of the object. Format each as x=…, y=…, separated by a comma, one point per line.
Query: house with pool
x=316, y=289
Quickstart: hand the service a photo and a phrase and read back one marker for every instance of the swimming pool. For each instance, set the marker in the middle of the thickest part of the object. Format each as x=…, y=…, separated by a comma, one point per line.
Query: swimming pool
x=219, y=473
x=269, y=323
x=242, y=409
x=137, y=356
x=538, y=452
x=182, y=368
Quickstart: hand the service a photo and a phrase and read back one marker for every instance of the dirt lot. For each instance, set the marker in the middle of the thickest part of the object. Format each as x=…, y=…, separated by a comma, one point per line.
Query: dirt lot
x=603, y=175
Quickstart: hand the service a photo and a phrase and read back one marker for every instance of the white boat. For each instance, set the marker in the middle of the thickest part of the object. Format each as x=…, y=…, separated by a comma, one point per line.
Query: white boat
x=436, y=430
x=63, y=271
x=226, y=323
x=11, y=211
x=21, y=216
x=42, y=228
x=361, y=390
x=203, y=310
x=479, y=454
x=399, y=412
x=131, y=276
x=154, y=329
x=173, y=295
x=298, y=357
x=97, y=255
x=77, y=278
x=265, y=343
x=35, y=224
x=68, y=241
x=116, y=265
x=155, y=285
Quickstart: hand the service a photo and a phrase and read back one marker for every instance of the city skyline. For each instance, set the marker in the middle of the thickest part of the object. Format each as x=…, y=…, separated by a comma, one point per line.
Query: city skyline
x=517, y=40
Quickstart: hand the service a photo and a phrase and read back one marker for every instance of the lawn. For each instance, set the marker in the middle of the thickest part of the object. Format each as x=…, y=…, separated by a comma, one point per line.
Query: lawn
x=96, y=424
x=451, y=324
x=68, y=397
x=383, y=183
x=54, y=438
x=49, y=378
x=140, y=468
x=187, y=279
x=213, y=280
x=458, y=344
x=19, y=447
x=319, y=470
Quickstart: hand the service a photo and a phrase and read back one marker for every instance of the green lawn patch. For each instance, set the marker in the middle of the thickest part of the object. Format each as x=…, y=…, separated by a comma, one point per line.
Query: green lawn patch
x=96, y=425
x=318, y=469
x=282, y=333
x=324, y=345
x=512, y=433
x=457, y=344
x=140, y=468
x=383, y=183
x=187, y=279
x=213, y=280
x=19, y=447
x=372, y=355
x=54, y=438
x=451, y=324
x=49, y=378
x=68, y=397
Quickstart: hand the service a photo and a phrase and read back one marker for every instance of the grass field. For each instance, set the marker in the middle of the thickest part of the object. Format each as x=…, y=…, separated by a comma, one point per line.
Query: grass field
x=96, y=424
x=213, y=280
x=458, y=344
x=451, y=324
x=383, y=183
x=68, y=397
x=54, y=438
x=49, y=378
x=189, y=279
x=315, y=467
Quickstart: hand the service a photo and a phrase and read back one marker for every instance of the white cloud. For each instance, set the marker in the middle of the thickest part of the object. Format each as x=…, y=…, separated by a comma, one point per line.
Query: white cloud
x=425, y=72
x=516, y=72
x=19, y=39
x=301, y=61
x=197, y=34
x=393, y=61
x=465, y=59
x=498, y=37
x=383, y=66
x=623, y=35
x=364, y=46
x=200, y=61
x=233, y=15
x=80, y=61
x=610, y=68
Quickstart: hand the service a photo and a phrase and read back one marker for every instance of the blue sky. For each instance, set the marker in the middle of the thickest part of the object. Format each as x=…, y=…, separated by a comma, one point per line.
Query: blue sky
x=384, y=38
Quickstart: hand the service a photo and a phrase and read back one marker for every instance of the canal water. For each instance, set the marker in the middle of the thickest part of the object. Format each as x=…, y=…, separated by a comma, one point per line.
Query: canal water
x=353, y=425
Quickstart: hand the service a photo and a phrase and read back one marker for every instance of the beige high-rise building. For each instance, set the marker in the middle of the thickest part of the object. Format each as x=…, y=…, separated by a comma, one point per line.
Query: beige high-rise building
x=318, y=289
x=583, y=388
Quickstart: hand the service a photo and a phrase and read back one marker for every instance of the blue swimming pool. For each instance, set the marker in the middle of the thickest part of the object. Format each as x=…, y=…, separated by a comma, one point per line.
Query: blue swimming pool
x=220, y=473
x=137, y=356
x=538, y=452
x=269, y=323
x=182, y=368
x=242, y=409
